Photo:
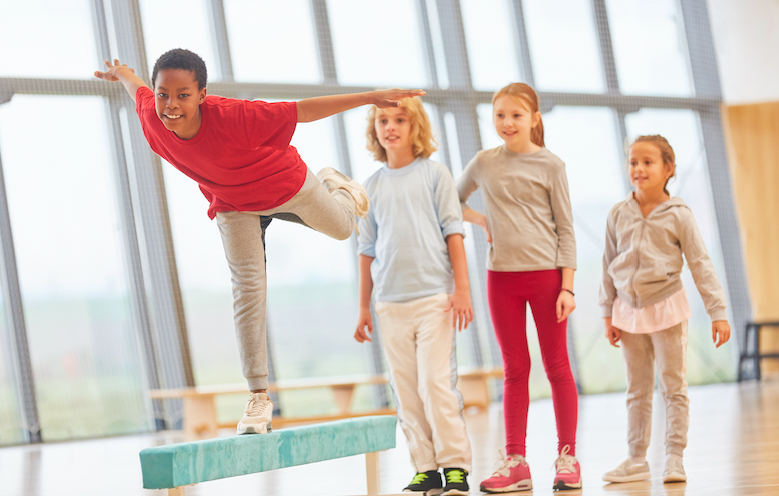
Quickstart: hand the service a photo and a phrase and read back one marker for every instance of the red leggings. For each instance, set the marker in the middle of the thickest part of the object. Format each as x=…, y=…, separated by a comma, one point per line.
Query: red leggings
x=508, y=293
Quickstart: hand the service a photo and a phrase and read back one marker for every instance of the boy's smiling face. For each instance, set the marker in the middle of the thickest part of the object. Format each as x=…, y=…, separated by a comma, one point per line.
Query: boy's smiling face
x=393, y=128
x=177, y=100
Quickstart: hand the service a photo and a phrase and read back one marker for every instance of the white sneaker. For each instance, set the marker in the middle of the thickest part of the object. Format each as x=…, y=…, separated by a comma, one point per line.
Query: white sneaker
x=674, y=470
x=629, y=472
x=257, y=416
x=332, y=179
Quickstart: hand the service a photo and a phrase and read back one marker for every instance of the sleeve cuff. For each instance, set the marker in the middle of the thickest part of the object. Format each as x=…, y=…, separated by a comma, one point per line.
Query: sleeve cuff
x=606, y=310
x=571, y=264
x=368, y=251
x=454, y=228
x=719, y=314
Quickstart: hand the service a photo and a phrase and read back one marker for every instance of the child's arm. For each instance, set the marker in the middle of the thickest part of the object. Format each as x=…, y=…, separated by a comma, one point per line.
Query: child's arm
x=462, y=309
x=474, y=217
x=705, y=277
x=466, y=185
x=607, y=290
x=366, y=288
x=313, y=109
x=612, y=333
x=122, y=73
x=565, y=302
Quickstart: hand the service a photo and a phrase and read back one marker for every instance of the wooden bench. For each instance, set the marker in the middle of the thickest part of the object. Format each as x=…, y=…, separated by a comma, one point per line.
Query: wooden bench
x=200, y=419
x=175, y=466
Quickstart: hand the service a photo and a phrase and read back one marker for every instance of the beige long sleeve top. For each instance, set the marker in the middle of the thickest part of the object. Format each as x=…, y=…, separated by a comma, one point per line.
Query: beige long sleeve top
x=527, y=206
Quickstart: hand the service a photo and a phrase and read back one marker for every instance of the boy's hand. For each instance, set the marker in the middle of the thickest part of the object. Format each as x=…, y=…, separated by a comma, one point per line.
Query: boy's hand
x=612, y=333
x=565, y=305
x=363, y=321
x=110, y=73
x=721, y=328
x=462, y=310
x=391, y=98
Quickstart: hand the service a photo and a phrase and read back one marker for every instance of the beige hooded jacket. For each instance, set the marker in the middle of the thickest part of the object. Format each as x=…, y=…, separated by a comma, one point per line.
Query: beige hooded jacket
x=642, y=261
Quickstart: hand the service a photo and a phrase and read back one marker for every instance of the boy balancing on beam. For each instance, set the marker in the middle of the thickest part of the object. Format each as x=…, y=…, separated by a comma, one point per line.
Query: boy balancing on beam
x=239, y=154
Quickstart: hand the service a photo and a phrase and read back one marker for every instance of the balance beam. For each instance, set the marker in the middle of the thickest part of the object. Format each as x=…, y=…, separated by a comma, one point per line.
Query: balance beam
x=175, y=466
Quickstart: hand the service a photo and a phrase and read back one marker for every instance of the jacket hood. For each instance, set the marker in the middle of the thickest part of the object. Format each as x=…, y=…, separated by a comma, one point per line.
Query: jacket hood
x=673, y=202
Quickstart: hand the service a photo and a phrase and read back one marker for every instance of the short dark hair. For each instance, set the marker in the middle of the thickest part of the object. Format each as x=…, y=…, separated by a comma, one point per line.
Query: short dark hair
x=179, y=58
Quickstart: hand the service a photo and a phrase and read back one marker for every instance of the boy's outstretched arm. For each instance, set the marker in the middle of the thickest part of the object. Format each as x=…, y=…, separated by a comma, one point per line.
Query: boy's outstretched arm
x=462, y=309
x=122, y=73
x=313, y=109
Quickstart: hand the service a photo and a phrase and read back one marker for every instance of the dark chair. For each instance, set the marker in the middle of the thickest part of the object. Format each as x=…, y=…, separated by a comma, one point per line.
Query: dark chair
x=753, y=330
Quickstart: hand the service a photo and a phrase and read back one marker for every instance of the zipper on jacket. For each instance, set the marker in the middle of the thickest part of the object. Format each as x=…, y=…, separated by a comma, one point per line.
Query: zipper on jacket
x=638, y=263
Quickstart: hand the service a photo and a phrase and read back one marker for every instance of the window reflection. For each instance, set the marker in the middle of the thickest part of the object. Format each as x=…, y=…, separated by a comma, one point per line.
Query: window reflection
x=563, y=45
x=257, y=53
x=75, y=291
x=491, y=42
x=375, y=45
x=169, y=24
x=649, y=47
x=586, y=139
x=10, y=419
x=27, y=31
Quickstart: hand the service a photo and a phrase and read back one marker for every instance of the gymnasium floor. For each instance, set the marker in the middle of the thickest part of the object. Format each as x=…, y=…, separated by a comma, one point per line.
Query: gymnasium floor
x=733, y=450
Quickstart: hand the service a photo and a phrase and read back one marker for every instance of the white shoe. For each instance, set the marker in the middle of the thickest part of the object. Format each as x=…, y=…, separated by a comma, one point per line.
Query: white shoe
x=629, y=472
x=674, y=470
x=257, y=416
x=332, y=179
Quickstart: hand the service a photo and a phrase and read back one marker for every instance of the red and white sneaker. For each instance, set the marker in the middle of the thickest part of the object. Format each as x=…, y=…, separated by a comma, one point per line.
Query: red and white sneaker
x=569, y=474
x=511, y=474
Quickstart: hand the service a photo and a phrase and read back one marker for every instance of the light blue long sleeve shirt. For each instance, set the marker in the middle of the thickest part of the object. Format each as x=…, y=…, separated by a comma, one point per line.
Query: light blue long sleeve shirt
x=413, y=210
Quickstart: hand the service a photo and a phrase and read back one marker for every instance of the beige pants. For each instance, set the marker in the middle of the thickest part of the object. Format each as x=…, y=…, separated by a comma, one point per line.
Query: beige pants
x=668, y=349
x=419, y=340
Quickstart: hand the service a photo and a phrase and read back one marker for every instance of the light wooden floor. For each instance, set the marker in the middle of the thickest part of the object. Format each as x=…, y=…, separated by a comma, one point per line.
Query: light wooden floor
x=733, y=450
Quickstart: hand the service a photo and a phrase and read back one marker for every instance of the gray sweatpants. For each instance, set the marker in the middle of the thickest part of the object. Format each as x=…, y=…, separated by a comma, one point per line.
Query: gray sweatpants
x=668, y=349
x=243, y=238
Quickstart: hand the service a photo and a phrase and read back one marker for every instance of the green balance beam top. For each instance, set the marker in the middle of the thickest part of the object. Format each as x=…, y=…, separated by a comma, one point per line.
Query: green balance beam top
x=182, y=464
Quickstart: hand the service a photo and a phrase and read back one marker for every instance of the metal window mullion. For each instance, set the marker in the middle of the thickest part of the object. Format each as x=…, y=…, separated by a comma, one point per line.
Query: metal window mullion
x=222, y=41
x=608, y=62
x=521, y=40
x=165, y=303
x=25, y=382
x=463, y=107
x=330, y=77
x=129, y=228
x=622, y=132
x=609, y=67
x=429, y=52
x=703, y=64
x=324, y=39
x=629, y=103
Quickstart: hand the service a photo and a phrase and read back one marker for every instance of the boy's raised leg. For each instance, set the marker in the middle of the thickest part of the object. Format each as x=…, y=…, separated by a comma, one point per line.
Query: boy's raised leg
x=329, y=212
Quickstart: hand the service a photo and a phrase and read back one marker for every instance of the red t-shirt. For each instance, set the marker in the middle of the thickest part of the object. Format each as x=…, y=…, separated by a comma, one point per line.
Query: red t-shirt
x=240, y=157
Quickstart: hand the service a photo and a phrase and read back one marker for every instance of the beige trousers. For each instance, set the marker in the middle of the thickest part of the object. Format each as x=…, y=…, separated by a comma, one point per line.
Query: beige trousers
x=640, y=352
x=419, y=340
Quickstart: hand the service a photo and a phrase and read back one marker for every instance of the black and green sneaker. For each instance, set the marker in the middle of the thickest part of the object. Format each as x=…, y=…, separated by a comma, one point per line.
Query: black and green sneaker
x=456, y=483
x=425, y=482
